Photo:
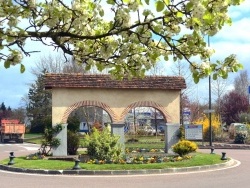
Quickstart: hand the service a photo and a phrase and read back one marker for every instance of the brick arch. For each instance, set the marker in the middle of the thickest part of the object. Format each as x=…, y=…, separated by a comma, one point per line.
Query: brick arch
x=146, y=104
x=89, y=103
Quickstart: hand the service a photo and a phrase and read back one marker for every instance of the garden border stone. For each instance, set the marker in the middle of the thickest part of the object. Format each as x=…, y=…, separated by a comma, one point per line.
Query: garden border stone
x=229, y=163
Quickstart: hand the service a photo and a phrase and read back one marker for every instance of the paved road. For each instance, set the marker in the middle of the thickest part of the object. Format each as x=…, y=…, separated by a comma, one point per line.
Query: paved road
x=24, y=148
x=233, y=177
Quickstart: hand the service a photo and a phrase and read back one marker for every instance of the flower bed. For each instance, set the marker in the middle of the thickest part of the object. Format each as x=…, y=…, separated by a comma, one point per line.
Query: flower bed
x=141, y=159
x=139, y=156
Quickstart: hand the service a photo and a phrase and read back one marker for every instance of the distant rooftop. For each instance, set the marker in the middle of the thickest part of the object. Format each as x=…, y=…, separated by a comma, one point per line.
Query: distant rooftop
x=105, y=81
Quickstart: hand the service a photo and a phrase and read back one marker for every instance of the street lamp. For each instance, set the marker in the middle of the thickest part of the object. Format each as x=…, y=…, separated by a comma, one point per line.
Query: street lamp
x=210, y=105
x=209, y=114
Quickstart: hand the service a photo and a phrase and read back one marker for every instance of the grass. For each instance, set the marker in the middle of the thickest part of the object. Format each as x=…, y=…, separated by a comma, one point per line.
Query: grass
x=145, y=138
x=147, y=142
x=32, y=135
x=33, y=138
x=145, y=145
x=198, y=159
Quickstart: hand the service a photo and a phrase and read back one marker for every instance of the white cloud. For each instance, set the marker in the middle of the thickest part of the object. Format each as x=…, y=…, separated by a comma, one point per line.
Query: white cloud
x=13, y=85
x=237, y=12
x=239, y=31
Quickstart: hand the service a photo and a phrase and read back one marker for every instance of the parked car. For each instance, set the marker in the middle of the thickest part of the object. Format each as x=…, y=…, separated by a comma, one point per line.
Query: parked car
x=225, y=127
x=148, y=130
x=161, y=129
x=235, y=128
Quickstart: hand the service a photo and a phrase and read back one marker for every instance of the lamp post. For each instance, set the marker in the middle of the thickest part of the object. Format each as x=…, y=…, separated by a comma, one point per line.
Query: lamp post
x=210, y=106
x=209, y=114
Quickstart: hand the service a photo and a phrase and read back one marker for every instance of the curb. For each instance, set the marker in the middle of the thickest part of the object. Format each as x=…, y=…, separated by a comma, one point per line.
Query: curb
x=226, y=146
x=229, y=163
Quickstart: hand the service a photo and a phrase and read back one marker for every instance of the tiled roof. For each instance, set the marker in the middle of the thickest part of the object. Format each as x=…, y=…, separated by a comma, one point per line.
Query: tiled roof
x=105, y=81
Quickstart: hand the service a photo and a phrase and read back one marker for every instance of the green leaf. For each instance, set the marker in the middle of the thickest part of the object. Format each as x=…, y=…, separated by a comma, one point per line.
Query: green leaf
x=22, y=68
x=88, y=67
x=196, y=79
x=207, y=71
x=208, y=18
x=157, y=28
x=196, y=76
x=215, y=76
x=166, y=58
x=189, y=6
x=167, y=2
x=139, y=2
x=179, y=14
x=126, y=1
x=224, y=75
x=229, y=21
x=213, y=66
x=101, y=12
x=236, y=2
x=159, y=6
x=196, y=20
x=240, y=66
x=111, y=2
x=234, y=69
x=7, y=64
x=100, y=66
x=147, y=2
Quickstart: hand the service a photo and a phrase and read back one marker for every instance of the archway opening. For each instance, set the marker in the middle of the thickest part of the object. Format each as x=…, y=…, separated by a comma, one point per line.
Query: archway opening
x=146, y=124
x=84, y=118
x=80, y=122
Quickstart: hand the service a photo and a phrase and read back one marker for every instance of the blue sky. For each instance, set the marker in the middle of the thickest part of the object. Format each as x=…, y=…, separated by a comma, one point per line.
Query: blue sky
x=233, y=39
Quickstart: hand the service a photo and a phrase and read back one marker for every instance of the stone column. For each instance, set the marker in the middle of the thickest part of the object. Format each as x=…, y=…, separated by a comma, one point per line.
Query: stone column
x=117, y=129
x=61, y=150
x=171, y=136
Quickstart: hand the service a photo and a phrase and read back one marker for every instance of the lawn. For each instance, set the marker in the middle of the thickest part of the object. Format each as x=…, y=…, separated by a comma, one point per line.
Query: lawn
x=197, y=159
x=146, y=142
x=149, y=142
x=33, y=138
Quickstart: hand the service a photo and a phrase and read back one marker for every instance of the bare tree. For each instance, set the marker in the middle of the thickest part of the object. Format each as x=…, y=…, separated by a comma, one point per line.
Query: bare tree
x=181, y=69
x=56, y=64
x=241, y=83
x=158, y=69
x=219, y=89
x=91, y=115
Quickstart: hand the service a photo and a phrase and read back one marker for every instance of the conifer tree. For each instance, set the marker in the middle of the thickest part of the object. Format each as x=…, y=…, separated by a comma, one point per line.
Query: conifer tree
x=39, y=107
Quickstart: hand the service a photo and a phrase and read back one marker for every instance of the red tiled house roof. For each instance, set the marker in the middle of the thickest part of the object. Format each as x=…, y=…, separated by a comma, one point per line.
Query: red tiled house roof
x=105, y=81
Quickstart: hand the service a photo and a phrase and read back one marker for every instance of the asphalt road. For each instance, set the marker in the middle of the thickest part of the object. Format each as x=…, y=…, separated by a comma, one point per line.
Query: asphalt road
x=238, y=176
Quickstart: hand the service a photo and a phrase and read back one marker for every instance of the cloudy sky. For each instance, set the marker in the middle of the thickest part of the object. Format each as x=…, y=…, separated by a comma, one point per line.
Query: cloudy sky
x=233, y=39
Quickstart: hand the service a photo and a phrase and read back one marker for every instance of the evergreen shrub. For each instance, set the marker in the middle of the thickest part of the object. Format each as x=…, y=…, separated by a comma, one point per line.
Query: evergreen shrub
x=73, y=142
x=240, y=138
x=184, y=147
x=101, y=145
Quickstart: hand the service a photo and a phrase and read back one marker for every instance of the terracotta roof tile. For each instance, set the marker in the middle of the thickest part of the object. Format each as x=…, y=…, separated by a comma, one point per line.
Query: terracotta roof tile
x=105, y=81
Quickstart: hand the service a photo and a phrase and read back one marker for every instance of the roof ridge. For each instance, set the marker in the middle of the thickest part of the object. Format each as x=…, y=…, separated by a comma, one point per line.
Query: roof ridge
x=106, y=81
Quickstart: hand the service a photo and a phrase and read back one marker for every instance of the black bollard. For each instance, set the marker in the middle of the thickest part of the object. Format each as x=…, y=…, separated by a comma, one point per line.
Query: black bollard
x=77, y=167
x=223, y=156
x=212, y=151
x=11, y=162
